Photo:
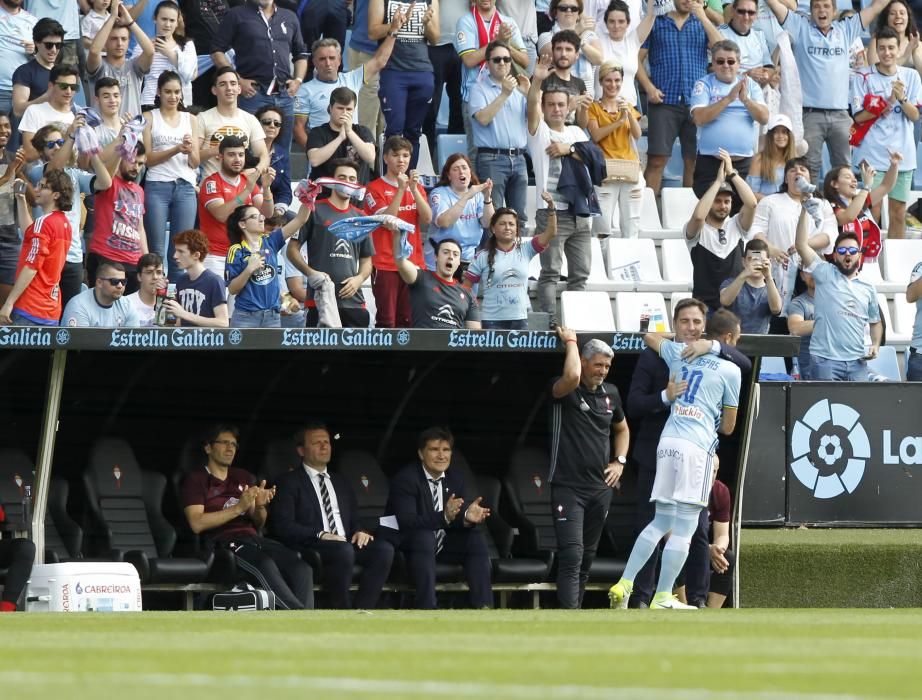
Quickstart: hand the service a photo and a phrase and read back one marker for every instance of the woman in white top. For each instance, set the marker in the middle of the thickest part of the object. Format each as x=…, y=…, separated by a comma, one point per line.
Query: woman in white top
x=621, y=43
x=568, y=14
x=171, y=139
x=172, y=51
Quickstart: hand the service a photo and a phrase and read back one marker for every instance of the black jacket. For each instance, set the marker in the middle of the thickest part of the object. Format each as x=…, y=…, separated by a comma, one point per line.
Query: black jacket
x=578, y=178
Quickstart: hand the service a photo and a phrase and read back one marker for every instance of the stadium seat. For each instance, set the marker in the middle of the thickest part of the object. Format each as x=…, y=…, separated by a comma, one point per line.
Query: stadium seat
x=904, y=314
x=598, y=277
x=886, y=364
x=894, y=336
x=650, y=226
x=633, y=266
x=531, y=206
x=63, y=537
x=424, y=164
x=900, y=256
x=534, y=269
x=678, y=205
x=870, y=272
x=586, y=311
x=126, y=503
x=677, y=263
x=772, y=366
x=674, y=299
x=447, y=144
x=362, y=471
x=629, y=306
x=279, y=457
x=529, y=495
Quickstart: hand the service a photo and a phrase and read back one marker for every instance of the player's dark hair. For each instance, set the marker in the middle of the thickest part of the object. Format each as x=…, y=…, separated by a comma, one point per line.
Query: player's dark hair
x=436, y=432
x=223, y=70
x=106, y=83
x=45, y=28
x=720, y=323
x=685, y=303
x=566, y=36
x=149, y=260
x=64, y=69
x=214, y=432
x=343, y=96
x=617, y=6
x=231, y=142
x=756, y=245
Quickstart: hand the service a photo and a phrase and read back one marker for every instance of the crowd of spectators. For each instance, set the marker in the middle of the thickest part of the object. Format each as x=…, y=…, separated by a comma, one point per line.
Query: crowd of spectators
x=165, y=119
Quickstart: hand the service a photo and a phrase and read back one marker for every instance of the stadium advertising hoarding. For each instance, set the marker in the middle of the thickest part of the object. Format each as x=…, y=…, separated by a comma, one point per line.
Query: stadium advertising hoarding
x=854, y=454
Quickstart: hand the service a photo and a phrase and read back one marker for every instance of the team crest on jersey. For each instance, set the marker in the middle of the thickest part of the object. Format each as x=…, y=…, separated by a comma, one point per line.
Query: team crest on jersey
x=538, y=483
x=365, y=482
x=460, y=37
x=370, y=200
x=211, y=187
x=117, y=473
x=698, y=89
x=561, y=514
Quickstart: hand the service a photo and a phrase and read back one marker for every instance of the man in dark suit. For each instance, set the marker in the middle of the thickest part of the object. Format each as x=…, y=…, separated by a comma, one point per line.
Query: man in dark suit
x=317, y=510
x=649, y=402
x=436, y=525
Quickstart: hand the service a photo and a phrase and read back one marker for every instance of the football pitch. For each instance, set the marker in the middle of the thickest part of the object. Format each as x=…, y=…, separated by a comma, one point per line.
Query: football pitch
x=459, y=654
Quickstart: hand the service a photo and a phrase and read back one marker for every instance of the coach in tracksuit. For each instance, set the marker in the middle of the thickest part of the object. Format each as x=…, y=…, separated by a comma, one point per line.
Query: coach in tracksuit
x=587, y=458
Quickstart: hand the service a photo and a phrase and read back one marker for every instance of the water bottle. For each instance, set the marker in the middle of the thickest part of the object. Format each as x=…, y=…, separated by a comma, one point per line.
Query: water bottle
x=27, y=508
x=659, y=323
x=795, y=369
x=645, y=319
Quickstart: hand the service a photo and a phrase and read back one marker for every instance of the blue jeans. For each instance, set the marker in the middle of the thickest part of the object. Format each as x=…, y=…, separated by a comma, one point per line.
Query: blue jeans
x=914, y=367
x=825, y=370
x=405, y=98
x=282, y=102
x=267, y=318
x=520, y=324
x=174, y=202
x=510, y=181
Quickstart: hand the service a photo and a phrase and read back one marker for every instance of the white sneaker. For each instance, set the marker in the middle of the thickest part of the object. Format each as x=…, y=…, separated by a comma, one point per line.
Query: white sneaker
x=667, y=601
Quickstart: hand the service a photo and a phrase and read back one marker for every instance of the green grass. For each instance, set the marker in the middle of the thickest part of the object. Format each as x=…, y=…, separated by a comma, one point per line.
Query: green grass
x=500, y=654
x=833, y=568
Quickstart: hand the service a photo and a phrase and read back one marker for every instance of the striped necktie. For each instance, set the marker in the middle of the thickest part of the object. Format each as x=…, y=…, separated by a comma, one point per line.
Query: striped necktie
x=436, y=506
x=327, y=504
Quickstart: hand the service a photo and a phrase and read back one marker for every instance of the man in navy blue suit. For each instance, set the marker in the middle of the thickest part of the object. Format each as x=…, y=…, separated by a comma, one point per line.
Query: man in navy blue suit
x=317, y=510
x=436, y=524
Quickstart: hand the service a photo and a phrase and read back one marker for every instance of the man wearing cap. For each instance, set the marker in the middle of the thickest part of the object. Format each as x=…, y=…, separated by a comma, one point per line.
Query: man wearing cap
x=589, y=442
x=714, y=237
x=725, y=107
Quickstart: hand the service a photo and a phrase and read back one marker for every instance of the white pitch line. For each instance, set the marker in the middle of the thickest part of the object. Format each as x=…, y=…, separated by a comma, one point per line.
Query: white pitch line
x=386, y=686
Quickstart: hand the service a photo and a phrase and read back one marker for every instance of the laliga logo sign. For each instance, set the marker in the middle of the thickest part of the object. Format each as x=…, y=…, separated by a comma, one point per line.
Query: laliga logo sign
x=832, y=421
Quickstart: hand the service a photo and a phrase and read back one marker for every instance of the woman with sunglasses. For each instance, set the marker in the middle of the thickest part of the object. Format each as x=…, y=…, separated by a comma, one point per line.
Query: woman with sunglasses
x=568, y=14
x=852, y=204
x=622, y=41
x=252, y=271
x=172, y=52
x=271, y=120
x=501, y=269
x=171, y=140
x=614, y=127
x=461, y=209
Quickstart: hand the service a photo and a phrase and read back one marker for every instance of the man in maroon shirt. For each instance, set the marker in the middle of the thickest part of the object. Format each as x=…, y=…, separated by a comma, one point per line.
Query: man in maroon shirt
x=227, y=505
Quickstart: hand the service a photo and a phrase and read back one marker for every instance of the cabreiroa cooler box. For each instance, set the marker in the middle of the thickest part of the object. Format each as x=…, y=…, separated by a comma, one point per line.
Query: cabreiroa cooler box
x=84, y=587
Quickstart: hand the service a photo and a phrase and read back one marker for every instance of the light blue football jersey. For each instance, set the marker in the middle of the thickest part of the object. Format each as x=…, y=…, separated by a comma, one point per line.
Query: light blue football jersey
x=713, y=384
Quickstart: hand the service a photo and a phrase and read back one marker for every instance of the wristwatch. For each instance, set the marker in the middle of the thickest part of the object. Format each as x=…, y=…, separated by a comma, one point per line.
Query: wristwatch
x=572, y=150
x=621, y=459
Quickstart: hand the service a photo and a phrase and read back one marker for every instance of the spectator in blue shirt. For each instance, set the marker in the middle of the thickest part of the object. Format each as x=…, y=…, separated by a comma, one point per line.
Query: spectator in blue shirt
x=844, y=305
x=725, y=106
x=752, y=294
x=267, y=42
x=822, y=47
x=498, y=106
x=677, y=51
x=801, y=314
x=271, y=120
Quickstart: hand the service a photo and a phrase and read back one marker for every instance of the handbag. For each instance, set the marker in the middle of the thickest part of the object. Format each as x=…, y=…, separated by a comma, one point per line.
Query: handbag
x=622, y=170
x=243, y=598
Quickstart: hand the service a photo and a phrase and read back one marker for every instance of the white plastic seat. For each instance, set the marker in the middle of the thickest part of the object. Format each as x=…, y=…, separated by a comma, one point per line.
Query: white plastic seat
x=531, y=206
x=674, y=299
x=677, y=263
x=629, y=306
x=904, y=314
x=678, y=205
x=886, y=364
x=870, y=272
x=772, y=365
x=633, y=266
x=424, y=163
x=586, y=311
x=900, y=257
x=650, y=226
x=893, y=334
x=598, y=277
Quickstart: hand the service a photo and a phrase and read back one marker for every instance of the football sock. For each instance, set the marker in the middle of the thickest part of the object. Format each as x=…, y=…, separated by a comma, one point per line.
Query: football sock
x=676, y=550
x=648, y=539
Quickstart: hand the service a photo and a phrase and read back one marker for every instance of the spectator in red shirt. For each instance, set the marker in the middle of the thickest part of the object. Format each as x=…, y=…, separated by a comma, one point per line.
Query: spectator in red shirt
x=401, y=195
x=35, y=299
x=222, y=192
x=118, y=229
x=16, y=556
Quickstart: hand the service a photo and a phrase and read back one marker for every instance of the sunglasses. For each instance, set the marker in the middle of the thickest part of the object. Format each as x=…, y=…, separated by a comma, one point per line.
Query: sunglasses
x=115, y=281
x=725, y=61
x=567, y=8
x=73, y=87
x=501, y=59
x=271, y=122
x=851, y=250
x=253, y=216
x=746, y=13
x=722, y=236
x=53, y=45
x=54, y=144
